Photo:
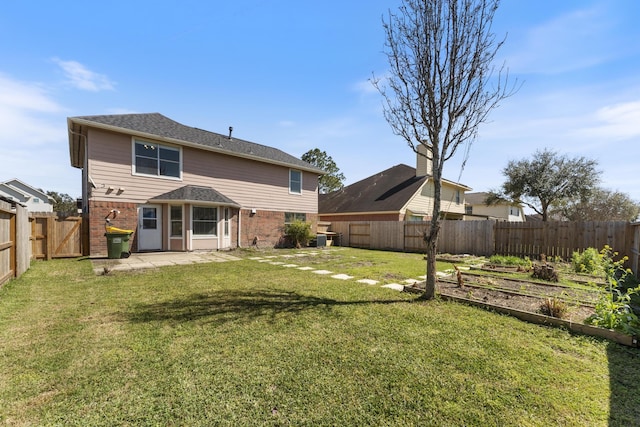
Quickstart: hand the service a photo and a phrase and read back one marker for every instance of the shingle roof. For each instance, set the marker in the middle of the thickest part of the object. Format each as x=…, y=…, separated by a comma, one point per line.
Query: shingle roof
x=195, y=193
x=386, y=191
x=155, y=124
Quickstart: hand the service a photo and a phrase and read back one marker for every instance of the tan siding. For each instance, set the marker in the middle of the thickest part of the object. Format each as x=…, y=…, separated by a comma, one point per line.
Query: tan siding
x=423, y=201
x=250, y=183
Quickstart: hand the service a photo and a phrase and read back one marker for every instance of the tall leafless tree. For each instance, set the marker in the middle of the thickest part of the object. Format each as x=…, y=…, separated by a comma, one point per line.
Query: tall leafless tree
x=441, y=85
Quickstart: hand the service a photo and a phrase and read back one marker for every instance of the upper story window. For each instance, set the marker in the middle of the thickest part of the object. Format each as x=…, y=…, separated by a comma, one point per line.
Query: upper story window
x=36, y=200
x=514, y=211
x=295, y=181
x=156, y=160
x=458, y=198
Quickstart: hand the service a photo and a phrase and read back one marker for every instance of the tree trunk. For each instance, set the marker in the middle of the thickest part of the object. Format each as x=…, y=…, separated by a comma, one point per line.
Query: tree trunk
x=431, y=239
x=430, y=282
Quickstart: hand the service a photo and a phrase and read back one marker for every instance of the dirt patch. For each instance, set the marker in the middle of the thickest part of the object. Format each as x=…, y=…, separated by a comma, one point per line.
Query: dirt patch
x=517, y=294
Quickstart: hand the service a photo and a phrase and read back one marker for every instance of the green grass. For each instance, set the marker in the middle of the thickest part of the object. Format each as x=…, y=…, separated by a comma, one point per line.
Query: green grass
x=248, y=343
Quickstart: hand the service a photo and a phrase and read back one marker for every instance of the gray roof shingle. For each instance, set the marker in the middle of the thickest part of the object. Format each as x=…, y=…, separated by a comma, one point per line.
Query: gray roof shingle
x=155, y=124
x=196, y=193
x=386, y=191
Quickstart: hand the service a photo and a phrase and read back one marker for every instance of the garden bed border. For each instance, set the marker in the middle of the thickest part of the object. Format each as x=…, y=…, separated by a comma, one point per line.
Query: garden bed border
x=541, y=319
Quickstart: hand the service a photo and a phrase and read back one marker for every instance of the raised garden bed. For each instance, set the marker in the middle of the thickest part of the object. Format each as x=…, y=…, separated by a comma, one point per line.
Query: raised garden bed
x=524, y=298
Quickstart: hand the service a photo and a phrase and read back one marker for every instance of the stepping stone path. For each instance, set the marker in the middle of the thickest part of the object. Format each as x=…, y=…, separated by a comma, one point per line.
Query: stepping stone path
x=339, y=276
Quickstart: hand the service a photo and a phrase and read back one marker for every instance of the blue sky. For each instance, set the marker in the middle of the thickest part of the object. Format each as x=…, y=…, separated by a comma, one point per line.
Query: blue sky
x=295, y=75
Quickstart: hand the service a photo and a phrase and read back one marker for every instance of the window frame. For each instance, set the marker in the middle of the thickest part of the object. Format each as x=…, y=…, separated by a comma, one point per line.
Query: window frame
x=291, y=181
x=289, y=217
x=159, y=146
x=215, y=221
x=173, y=220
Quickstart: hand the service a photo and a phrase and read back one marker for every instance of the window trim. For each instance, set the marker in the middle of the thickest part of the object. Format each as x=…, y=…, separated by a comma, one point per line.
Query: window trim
x=172, y=220
x=134, y=172
x=216, y=221
x=291, y=171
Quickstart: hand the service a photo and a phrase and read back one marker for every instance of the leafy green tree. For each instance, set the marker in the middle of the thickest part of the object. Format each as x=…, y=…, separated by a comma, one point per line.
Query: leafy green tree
x=600, y=205
x=547, y=179
x=63, y=203
x=333, y=180
x=441, y=86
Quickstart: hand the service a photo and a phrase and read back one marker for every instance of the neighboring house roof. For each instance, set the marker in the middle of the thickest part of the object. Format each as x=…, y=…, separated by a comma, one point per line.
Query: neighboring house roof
x=157, y=126
x=10, y=200
x=197, y=194
x=25, y=189
x=386, y=191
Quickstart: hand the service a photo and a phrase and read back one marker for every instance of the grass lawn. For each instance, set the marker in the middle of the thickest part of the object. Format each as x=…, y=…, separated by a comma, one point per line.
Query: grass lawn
x=248, y=343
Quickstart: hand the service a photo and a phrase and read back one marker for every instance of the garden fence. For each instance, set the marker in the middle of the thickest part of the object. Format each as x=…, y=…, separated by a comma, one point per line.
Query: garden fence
x=15, y=247
x=486, y=238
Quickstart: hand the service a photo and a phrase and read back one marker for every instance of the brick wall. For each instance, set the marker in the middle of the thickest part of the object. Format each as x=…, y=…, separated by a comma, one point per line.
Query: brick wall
x=266, y=227
x=126, y=219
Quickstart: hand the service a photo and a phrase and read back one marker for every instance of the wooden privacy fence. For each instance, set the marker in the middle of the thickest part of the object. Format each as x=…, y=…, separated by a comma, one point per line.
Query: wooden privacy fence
x=56, y=237
x=523, y=239
x=561, y=238
x=455, y=236
x=15, y=248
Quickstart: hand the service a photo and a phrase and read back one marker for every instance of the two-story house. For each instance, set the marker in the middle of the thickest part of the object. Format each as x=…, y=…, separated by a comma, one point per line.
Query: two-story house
x=181, y=188
x=478, y=209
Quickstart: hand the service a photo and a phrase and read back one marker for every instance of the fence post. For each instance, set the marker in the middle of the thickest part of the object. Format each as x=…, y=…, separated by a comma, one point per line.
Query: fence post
x=50, y=237
x=14, y=239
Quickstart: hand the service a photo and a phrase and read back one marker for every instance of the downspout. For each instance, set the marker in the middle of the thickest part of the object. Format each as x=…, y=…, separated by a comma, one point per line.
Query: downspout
x=239, y=222
x=85, y=171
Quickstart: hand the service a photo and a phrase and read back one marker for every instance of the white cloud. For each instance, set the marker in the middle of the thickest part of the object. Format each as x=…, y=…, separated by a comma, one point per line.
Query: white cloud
x=33, y=137
x=286, y=123
x=616, y=122
x=24, y=112
x=16, y=95
x=365, y=87
x=572, y=41
x=82, y=78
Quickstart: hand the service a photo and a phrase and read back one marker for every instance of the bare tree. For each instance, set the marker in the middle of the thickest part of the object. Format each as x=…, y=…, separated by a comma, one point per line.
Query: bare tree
x=441, y=85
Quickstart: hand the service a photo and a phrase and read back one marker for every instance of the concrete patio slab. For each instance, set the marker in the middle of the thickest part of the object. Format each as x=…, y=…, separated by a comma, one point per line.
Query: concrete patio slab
x=147, y=260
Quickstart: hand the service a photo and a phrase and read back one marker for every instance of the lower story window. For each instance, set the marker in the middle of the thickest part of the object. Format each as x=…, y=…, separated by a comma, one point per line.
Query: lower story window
x=289, y=217
x=205, y=221
x=176, y=221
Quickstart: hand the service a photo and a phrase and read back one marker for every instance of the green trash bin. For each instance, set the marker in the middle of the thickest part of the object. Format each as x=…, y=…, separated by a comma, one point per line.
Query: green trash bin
x=118, y=245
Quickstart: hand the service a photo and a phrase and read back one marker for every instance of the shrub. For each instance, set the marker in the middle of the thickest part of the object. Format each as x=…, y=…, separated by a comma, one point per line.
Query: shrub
x=299, y=232
x=588, y=261
x=613, y=311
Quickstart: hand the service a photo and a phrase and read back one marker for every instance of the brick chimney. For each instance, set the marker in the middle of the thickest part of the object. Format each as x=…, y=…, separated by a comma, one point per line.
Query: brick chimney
x=424, y=166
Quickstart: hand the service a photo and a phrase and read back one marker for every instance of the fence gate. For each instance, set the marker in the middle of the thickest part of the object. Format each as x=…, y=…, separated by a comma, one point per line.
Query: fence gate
x=55, y=237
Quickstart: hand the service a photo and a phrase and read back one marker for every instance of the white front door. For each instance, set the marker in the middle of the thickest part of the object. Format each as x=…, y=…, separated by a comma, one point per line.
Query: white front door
x=150, y=227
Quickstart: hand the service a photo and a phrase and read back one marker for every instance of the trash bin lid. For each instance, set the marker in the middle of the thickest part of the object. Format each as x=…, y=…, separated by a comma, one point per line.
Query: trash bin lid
x=111, y=229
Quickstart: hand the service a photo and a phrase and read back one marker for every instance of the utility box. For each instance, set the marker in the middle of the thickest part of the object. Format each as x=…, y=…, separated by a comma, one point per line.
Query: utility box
x=321, y=240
